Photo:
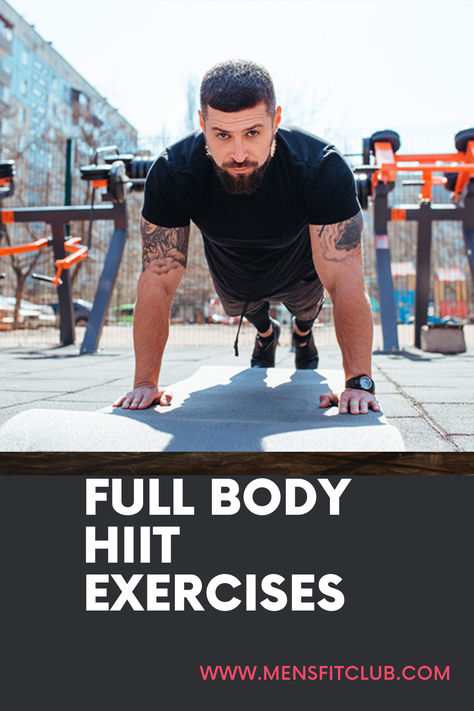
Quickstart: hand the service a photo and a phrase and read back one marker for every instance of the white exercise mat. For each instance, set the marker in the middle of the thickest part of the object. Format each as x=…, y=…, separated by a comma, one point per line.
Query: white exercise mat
x=217, y=409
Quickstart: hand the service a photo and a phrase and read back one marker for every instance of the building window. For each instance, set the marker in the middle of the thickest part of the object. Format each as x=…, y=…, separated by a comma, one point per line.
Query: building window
x=23, y=86
x=25, y=58
x=22, y=114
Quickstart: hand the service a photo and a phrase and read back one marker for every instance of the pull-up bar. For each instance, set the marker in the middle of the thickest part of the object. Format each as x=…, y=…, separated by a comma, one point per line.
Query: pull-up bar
x=377, y=180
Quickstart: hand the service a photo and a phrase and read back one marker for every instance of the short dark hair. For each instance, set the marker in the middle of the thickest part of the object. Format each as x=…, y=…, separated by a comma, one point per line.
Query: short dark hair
x=237, y=84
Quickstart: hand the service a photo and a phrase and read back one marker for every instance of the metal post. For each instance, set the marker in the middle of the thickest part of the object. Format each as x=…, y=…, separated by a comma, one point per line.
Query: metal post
x=388, y=314
x=66, y=315
x=68, y=178
x=468, y=224
x=107, y=281
x=423, y=262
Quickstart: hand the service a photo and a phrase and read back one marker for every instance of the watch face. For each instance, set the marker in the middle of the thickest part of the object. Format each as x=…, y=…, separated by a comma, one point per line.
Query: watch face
x=365, y=382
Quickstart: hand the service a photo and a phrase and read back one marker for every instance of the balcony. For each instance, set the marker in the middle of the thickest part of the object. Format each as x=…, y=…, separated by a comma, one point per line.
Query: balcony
x=4, y=99
x=5, y=77
x=5, y=45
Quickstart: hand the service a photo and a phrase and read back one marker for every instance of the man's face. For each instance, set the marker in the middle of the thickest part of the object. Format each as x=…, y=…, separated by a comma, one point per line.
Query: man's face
x=240, y=145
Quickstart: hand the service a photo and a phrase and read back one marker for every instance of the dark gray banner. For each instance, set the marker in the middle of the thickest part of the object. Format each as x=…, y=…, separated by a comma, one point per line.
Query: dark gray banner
x=223, y=591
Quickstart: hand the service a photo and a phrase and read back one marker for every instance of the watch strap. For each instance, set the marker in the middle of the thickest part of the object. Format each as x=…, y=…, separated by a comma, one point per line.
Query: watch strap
x=357, y=383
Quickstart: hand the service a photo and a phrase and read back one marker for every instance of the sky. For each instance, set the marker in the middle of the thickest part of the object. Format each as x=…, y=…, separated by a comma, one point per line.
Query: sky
x=338, y=66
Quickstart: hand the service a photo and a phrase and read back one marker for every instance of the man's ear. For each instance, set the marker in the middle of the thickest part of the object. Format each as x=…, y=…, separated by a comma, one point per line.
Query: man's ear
x=277, y=119
x=201, y=120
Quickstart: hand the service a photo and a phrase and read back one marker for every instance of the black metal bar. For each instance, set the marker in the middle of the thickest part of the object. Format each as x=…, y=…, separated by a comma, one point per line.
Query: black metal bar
x=62, y=213
x=440, y=212
x=107, y=281
x=468, y=224
x=423, y=262
x=388, y=313
x=68, y=178
x=66, y=315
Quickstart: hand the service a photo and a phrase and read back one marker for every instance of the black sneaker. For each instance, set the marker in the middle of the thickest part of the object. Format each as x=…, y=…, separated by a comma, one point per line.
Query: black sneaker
x=306, y=353
x=263, y=355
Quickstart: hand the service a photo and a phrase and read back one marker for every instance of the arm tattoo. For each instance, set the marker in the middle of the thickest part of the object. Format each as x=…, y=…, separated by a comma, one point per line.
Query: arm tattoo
x=341, y=241
x=164, y=248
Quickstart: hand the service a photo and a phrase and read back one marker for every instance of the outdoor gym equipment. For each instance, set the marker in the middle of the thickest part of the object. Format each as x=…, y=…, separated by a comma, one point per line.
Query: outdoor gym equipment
x=77, y=253
x=378, y=179
x=114, y=174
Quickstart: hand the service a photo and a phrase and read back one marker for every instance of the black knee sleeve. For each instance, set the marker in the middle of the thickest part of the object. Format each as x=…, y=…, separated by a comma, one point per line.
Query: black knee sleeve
x=261, y=318
x=304, y=325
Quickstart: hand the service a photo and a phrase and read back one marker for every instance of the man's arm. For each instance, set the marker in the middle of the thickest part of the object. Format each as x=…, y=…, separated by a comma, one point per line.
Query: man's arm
x=337, y=257
x=165, y=251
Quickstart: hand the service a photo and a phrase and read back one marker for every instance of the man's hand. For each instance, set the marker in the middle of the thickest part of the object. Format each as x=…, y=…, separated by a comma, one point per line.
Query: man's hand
x=143, y=396
x=356, y=402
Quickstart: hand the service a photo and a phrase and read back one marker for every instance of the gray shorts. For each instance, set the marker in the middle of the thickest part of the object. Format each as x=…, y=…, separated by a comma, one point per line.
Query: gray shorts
x=303, y=300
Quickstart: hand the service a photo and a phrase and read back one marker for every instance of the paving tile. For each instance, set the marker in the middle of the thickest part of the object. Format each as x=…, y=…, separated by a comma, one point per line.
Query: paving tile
x=419, y=436
x=456, y=420
x=395, y=405
x=9, y=412
x=457, y=394
x=465, y=442
x=15, y=397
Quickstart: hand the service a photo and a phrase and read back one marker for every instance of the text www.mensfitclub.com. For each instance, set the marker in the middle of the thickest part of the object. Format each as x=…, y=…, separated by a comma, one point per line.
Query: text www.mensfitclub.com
x=325, y=673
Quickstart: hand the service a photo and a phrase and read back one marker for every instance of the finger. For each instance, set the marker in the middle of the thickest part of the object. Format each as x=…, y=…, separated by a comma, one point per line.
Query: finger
x=374, y=405
x=119, y=401
x=166, y=398
x=344, y=404
x=126, y=401
x=354, y=406
x=327, y=399
x=150, y=398
x=136, y=403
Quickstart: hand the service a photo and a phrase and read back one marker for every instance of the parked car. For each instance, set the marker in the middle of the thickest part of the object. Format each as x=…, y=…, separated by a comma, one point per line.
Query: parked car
x=6, y=314
x=30, y=315
x=82, y=310
x=46, y=316
x=123, y=313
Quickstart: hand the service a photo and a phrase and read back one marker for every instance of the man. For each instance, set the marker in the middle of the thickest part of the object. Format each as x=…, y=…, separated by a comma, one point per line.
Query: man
x=279, y=216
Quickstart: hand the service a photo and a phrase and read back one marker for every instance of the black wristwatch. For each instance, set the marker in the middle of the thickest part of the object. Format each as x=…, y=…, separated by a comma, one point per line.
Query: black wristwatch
x=361, y=382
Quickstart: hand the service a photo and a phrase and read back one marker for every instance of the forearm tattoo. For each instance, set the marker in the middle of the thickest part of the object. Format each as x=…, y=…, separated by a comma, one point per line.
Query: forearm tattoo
x=341, y=241
x=164, y=248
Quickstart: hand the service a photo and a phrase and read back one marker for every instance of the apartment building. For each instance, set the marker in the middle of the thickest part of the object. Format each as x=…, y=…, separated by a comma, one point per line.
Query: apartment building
x=43, y=102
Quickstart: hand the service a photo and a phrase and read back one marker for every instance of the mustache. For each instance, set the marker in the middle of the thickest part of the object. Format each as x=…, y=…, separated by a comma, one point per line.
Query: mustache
x=244, y=164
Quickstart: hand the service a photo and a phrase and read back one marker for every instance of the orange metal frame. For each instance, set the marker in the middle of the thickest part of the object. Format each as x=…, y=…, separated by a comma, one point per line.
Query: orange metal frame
x=389, y=163
x=78, y=252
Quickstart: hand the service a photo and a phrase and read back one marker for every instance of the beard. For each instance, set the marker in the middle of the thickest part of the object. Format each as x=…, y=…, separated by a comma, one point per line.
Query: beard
x=244, y=184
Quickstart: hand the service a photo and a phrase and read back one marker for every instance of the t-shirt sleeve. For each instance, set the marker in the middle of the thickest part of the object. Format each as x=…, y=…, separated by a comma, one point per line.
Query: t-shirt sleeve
x=165, y=202
x=331, y=193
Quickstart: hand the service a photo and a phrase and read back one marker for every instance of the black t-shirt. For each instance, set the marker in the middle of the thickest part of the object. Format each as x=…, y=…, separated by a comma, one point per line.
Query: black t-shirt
x=256, y=245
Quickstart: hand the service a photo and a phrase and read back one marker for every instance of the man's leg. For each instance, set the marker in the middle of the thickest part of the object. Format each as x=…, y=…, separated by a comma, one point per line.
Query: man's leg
x=304, y=302
x=266, y=341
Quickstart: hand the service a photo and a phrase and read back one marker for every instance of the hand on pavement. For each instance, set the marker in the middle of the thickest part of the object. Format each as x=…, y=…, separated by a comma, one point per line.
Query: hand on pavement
x=356, y=402
x=143, y=396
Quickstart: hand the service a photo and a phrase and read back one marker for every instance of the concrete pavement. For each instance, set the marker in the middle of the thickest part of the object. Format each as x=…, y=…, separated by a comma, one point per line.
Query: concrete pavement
x=428, y=397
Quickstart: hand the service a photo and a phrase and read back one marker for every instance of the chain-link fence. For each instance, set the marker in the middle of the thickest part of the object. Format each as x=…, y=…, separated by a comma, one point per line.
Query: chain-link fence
x=197, y=318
